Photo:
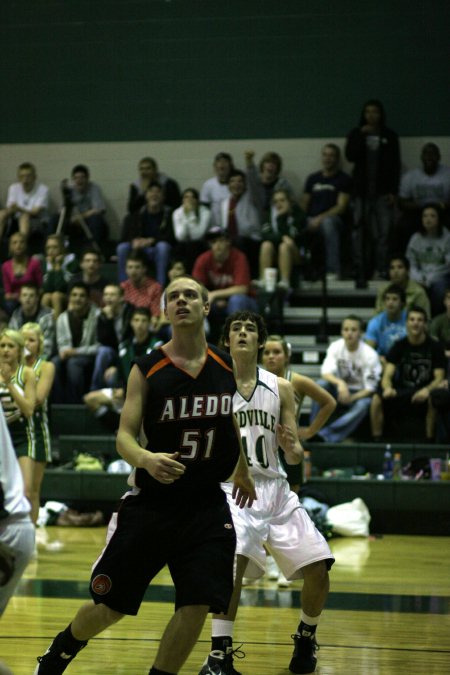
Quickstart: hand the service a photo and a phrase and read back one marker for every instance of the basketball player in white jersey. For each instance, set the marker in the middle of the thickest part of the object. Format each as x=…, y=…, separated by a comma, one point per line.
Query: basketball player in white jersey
x=264, y=408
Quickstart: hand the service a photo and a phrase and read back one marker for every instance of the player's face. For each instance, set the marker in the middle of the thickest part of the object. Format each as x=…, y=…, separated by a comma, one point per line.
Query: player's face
x=243, y=338
x=351, y=332
x=9, y=350
x=184, y=303
x=274, y=358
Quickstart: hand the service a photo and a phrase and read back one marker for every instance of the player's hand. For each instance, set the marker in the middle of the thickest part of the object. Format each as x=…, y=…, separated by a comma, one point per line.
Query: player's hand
x=164, y=467
x=244, y=493
x=289, y=443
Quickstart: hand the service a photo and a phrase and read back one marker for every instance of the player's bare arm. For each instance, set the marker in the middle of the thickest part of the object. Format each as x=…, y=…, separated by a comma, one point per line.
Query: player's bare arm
x=287, y=430
x=164, y=467
x=244, y=493
x=304, y=386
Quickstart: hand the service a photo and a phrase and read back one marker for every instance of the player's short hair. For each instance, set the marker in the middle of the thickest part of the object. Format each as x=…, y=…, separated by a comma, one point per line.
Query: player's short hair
x=244, y=315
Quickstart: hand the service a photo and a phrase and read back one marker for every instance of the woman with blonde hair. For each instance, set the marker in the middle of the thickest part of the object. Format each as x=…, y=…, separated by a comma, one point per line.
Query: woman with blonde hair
x=18, y=399
x=275, y=358
x=45, y=374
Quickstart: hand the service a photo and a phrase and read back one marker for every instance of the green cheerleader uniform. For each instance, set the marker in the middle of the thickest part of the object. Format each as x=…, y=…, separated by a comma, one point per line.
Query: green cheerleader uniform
x=20, y=427
x=41, y=426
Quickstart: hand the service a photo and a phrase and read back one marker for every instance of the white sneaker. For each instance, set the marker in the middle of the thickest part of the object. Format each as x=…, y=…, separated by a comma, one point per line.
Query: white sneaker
x=282, y=581
x=272, y=570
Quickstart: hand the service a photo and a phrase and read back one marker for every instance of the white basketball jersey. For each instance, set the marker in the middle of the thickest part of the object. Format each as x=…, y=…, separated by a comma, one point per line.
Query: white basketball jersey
x=258, y=418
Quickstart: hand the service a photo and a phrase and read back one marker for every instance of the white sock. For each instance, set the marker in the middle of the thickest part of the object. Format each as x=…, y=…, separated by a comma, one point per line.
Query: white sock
x=221, y=627
x=310, y=620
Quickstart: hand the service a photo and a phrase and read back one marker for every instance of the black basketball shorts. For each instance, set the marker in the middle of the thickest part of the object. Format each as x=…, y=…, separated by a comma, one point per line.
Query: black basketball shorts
x=197, y=545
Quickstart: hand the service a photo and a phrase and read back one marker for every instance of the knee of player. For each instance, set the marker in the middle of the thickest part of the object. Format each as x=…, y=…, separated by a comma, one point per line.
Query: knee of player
x=316, y=572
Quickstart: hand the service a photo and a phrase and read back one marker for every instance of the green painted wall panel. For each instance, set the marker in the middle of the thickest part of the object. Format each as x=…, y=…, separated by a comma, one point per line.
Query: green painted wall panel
x=199, y=69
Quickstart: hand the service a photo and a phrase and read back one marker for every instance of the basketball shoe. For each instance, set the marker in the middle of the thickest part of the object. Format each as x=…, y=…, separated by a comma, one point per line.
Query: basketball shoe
x=221, y=663
x=303, y=658
x=55, y=660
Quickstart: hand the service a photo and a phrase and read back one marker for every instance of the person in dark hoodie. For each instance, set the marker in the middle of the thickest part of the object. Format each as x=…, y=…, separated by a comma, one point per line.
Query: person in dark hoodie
x=375, y=152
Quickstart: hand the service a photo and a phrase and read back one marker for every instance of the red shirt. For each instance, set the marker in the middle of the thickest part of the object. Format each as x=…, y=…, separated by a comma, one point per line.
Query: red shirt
x=13, y=284
x=148, y=295
x=233, y=272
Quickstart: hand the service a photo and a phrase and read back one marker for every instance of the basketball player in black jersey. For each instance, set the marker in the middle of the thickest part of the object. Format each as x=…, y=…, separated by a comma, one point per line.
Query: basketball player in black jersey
x=180, y=398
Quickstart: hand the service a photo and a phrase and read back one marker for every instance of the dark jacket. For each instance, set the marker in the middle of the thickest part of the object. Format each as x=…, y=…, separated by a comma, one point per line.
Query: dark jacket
x=389, y=158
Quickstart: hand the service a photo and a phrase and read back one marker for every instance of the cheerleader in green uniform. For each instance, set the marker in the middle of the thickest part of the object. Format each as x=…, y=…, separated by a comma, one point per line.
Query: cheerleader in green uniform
x=18, y=398
x=45, y=374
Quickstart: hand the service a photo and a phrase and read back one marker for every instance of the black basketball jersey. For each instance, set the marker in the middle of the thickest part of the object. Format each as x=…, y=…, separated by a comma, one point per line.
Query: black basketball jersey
x=193, y=416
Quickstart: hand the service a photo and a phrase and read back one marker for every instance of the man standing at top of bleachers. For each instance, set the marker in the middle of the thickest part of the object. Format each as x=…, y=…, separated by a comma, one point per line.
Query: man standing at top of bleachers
x=350, y=372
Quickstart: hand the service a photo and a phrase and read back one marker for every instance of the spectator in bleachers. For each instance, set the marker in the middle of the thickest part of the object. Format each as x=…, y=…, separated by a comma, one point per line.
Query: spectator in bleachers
x=76, y=339
x=325, y=201
x=428, y=184
x=350, y=372
x=224, y=271
x=107, y=401
x=139, y=288
x=264, y=180
x=215, y=189
x=27, y=205
x=390, y=325
x=58, y=267
x=240, y=218
x=87, y=205
x=152, y=231
x=440, y=396
x=281, y=238
x=440, y=400
x=34, y=465
x=440, y=327
x=20, y=269
x=113, y=327
x=415, y=294
x=148, y=174
x=91, y=275
x=190, y=223
x=30, y=311
x=375, y=152
x=428, y=252
x=415, y=365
